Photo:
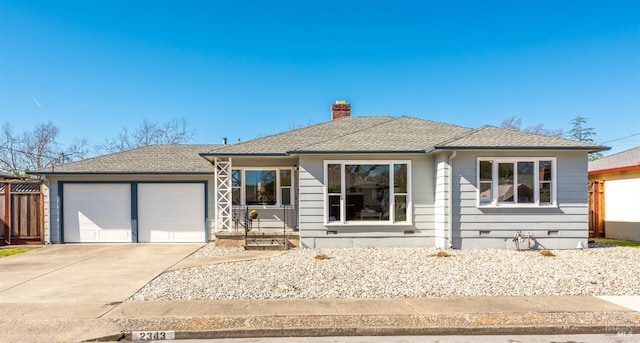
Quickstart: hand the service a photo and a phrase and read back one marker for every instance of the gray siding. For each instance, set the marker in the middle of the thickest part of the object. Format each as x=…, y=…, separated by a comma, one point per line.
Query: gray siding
x=555, y=228
x=54, y=198
x=315, y=234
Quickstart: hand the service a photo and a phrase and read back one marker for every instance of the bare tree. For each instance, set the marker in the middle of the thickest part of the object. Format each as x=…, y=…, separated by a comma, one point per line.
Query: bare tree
x=515, y=123
x=37, y=149
x=148, y=133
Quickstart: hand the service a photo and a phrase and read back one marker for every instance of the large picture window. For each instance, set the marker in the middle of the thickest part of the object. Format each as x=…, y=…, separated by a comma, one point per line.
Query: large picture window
x=516, y=181
x=367, y=191
x=261, y=186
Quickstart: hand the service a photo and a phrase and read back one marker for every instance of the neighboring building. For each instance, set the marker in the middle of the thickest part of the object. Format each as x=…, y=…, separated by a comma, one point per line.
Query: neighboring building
x=7, y=176
x=614, y=190
x=354, y=181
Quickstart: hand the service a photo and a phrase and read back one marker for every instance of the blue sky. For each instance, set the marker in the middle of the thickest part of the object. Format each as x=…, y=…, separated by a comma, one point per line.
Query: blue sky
x=242, y=69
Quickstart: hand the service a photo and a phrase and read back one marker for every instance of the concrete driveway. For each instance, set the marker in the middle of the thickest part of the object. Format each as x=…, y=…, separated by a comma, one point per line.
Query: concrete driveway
x=85, y=273
x=59, y=293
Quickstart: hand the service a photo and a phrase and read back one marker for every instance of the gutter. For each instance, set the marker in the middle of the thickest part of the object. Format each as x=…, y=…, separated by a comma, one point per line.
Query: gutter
x=506, y=147
x=450, y=202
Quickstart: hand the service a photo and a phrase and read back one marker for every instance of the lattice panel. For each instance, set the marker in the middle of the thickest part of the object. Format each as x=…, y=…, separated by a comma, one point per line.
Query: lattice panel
x=22, y=187
x=223, y=195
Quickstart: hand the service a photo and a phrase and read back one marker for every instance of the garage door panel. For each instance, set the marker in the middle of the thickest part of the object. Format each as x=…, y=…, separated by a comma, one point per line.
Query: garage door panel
x=97, y=213
x=171, y=212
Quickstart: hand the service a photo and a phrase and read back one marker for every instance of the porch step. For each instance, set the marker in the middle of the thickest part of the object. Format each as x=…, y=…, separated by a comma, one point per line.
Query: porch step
x=270, y=241
x=259, y=240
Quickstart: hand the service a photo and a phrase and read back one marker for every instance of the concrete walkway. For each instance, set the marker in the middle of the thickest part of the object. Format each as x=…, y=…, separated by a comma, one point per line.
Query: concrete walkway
x=74, y=316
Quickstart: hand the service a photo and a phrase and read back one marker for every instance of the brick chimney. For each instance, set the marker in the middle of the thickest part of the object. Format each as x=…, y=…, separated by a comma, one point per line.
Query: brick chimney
x=340, y=110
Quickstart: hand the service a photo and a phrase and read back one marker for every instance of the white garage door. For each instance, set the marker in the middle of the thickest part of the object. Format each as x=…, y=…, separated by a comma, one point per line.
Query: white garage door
x=97, y=212
x=171, y=212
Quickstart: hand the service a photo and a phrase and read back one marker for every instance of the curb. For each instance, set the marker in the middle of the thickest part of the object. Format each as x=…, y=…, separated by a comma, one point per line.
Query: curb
x=626, y=330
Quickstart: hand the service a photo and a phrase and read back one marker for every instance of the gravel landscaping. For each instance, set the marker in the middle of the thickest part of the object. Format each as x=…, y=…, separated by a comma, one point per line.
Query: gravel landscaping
x=403, y=272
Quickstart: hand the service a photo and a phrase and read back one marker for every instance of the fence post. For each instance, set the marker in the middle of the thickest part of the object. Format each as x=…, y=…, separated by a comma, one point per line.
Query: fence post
x=41, y=219
x=7, y=213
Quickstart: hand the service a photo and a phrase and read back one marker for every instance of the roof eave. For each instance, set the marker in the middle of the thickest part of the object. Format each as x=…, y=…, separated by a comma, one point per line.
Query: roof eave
x=119, y=173
x=330, y=152
x=480, y=147
x=613, y=170
x=205, y=155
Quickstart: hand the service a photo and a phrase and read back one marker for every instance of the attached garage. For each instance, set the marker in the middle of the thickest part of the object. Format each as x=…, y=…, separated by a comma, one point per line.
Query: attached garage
x=145, y=212
x=171, y=212
x=97, y=212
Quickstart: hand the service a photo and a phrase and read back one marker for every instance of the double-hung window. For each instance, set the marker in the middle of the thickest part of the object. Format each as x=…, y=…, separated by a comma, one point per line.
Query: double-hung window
x=262, y=186
x=516, y=181
x=367, y=191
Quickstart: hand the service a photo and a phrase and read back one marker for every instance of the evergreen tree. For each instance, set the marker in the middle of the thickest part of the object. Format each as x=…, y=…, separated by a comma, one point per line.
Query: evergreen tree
x=581, y=133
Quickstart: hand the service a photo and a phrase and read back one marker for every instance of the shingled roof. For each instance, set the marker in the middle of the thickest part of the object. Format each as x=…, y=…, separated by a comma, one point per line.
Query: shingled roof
x=155, y=159
x=375, y=134
x=625, y=159
x=383, y=134
x=491, y=137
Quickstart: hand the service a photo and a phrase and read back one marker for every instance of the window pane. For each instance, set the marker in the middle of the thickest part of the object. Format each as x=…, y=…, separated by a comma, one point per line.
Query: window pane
x=485, y=193
x=485, y=170
x=400, y=178
x=334, y=208
x=334, y=184
x=285, y=177
x=236, y=178
x=505, y=181
x=367, y=191
x=545, y=192
x=260, y=187
x=401, y=208
x=525, y=182
x=545, y=170
x=235, y=196
x=286, y=196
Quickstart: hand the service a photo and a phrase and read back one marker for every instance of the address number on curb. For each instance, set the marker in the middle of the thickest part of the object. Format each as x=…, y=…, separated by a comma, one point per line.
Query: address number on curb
x=152, y=335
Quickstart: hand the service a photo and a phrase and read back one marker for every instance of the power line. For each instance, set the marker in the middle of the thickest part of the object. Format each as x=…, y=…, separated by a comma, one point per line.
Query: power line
x=617, y=139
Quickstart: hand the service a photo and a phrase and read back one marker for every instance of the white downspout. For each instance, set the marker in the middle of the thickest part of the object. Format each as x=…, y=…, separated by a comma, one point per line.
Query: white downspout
x=450, y=202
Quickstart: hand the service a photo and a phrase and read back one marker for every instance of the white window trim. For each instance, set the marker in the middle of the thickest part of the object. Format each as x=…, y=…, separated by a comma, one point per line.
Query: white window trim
x=536, y=181
x=243, y=179
x=390, y=221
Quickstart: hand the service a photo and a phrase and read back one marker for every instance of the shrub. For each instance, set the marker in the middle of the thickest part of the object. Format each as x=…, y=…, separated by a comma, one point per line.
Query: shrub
x=442, y=253
x=547, y=253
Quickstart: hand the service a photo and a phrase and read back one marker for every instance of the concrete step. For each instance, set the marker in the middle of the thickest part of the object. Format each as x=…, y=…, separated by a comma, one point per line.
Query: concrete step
x=265, y=242
x=265, y=247
x=236, y=238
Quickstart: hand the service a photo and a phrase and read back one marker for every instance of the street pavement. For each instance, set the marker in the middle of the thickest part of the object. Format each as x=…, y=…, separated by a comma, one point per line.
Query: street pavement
x=70, y=293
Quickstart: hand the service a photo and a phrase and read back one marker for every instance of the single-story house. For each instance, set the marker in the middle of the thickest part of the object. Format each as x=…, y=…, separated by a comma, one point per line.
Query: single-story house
x=614, y=188
x=352, y=180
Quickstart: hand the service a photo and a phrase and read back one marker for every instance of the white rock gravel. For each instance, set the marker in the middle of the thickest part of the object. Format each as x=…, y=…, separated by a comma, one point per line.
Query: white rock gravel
x=212, y=250
x=405, y=272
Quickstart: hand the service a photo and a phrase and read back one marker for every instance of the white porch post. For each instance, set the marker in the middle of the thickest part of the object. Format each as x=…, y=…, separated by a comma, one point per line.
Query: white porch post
x=223, y=204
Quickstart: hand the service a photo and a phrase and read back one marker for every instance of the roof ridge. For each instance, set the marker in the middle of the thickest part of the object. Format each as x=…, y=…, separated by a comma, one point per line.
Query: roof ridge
x=270, y=135
x=466, y=134
x=436, y=121
x=326, y=122
x=390, y=119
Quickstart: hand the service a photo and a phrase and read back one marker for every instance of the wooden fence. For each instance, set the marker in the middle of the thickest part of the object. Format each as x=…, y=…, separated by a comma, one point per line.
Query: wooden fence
x=596, y=209
x=22, y=216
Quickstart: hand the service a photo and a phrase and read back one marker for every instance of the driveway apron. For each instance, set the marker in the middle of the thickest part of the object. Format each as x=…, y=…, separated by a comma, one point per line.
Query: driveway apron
x=85, y=273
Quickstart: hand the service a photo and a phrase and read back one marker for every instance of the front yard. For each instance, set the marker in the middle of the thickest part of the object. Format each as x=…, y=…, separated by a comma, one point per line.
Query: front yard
x=405, y=272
